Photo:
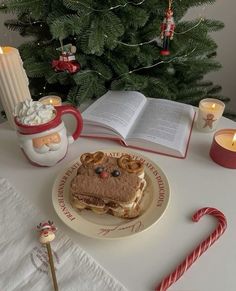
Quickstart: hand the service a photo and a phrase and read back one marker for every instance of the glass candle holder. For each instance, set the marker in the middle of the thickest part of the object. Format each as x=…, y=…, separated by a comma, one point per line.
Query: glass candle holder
x=51, y=100
x=209, y=113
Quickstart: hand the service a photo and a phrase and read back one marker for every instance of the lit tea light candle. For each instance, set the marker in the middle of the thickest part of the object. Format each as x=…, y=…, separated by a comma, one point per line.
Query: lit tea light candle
x=51, y=100
x=223, y=148
x=13, y=81
x=209, y=113
x=234, y=140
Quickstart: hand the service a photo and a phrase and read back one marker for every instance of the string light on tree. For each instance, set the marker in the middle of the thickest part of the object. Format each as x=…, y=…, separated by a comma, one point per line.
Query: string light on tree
x=171, y=71
x=112, y=7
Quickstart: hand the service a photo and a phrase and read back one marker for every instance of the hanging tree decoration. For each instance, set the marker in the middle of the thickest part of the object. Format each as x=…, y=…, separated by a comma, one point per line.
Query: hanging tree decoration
x=167, y=30
x=66, y=61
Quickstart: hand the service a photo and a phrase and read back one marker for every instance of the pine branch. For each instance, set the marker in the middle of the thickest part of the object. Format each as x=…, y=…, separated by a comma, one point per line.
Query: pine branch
x=103, y=69
x=73, y=95
x=34, y=69
x=119, y=66
x=90, y=86
x=134, y=17
x=82, y=6
x=15, y=25
x=36, y=8
x=68, y=25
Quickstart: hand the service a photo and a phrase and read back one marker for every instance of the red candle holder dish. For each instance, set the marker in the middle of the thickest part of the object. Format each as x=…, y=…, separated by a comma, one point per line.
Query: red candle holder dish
x=223, y=148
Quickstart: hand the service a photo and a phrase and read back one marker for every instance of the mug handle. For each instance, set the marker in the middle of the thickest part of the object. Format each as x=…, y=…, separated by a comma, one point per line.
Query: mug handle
x=68, y=109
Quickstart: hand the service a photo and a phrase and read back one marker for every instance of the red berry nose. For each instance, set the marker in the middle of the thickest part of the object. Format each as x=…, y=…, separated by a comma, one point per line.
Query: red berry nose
x=104, y=175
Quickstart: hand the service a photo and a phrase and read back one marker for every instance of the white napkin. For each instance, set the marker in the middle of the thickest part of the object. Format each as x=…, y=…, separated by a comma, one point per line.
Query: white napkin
x=24, y=261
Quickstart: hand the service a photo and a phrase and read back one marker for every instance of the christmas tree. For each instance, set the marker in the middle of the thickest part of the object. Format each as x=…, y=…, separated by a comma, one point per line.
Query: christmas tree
x=118, y=47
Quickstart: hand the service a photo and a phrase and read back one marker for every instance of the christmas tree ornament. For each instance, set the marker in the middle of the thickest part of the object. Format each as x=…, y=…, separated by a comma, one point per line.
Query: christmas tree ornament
x=167, y=30
x=46, y=235
x=67, y=61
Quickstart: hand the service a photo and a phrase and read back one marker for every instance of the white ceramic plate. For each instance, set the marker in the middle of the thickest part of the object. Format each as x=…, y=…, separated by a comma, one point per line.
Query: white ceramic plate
x=106, y=226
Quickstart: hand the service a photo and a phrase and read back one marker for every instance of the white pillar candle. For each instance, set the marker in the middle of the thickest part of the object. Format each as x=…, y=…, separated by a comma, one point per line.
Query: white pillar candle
x=13, y=81
x=209, y=113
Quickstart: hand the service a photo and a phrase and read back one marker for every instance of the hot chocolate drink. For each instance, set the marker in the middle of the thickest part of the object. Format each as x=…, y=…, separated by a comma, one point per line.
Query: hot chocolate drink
x=34, y=112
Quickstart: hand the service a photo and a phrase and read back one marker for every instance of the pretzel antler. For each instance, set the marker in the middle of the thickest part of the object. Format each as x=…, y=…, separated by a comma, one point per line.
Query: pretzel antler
x=129, y=164
x=92, y=158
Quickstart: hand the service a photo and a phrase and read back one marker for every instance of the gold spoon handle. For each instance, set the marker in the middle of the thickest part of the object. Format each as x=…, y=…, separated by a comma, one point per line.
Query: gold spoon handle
x=50, y=257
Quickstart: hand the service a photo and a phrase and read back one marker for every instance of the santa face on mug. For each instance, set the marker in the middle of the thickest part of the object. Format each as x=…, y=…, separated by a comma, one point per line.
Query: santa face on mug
x=43, y=147
x=44, y=144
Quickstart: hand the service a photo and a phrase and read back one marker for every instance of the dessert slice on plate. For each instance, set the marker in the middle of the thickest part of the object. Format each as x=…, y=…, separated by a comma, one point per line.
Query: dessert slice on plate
x=107, y=184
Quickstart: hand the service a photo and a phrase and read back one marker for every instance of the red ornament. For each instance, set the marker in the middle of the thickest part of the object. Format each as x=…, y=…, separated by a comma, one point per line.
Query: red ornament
x=66, y=63
x=167, y=31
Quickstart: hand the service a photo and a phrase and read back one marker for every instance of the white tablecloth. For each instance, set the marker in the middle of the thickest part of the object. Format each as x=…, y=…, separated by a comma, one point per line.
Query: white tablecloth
x=24, y=261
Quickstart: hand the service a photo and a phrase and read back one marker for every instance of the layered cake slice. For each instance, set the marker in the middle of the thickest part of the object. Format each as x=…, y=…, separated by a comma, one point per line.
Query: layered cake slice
x=107, y=184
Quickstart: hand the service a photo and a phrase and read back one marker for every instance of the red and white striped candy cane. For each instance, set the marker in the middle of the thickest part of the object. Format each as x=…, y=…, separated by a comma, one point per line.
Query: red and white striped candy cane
x=200, y=249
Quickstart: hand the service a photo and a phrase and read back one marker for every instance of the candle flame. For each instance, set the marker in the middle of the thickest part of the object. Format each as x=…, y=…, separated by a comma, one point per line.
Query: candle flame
x=234, y=139
x=1, y=51
x=50, y=101
x=213, y=106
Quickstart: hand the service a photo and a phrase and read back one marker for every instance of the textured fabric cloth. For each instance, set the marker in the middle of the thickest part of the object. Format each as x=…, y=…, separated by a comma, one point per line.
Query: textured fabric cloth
x=24, y=261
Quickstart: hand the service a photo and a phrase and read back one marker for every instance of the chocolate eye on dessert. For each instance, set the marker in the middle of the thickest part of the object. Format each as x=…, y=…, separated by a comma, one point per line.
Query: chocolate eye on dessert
x=98, y=170
x=115, y=173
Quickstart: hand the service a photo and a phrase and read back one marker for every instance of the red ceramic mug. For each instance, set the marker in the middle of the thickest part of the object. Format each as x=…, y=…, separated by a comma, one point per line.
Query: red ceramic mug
x=47, y=143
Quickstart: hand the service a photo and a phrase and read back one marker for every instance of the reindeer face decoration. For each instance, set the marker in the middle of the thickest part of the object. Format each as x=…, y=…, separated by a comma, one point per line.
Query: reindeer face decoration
x=104, y=168
x=46, y=232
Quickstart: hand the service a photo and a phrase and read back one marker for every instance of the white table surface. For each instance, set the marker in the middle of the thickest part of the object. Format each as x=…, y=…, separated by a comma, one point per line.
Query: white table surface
x=140, y=262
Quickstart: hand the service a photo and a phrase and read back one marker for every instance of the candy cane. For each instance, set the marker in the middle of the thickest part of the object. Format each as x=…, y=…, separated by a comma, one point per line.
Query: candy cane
x=200, y=249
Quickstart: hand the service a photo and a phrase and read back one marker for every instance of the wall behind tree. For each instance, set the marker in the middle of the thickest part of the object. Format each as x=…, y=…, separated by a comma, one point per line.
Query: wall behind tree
x=226, y=40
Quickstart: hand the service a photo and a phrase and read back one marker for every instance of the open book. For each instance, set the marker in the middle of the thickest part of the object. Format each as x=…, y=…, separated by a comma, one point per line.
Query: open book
x=155, y=125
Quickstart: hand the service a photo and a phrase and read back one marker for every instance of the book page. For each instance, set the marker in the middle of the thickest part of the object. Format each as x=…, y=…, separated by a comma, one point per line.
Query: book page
x=164, y=122
x=116, y=109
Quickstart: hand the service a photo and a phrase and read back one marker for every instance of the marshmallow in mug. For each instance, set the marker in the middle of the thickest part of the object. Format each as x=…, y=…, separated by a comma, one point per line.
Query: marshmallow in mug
x=34, y=112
